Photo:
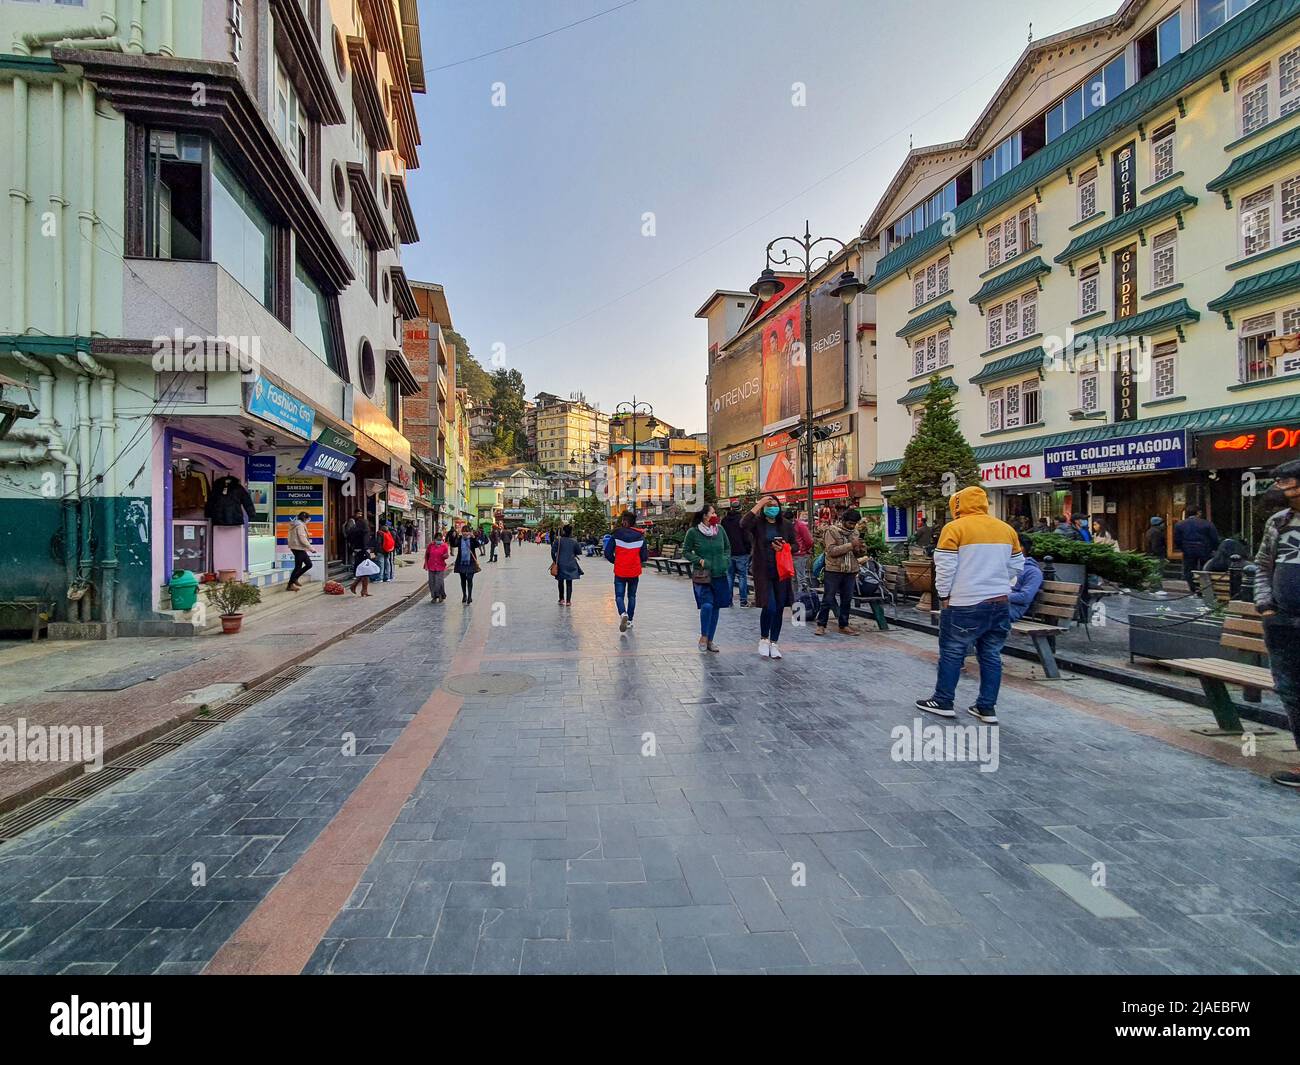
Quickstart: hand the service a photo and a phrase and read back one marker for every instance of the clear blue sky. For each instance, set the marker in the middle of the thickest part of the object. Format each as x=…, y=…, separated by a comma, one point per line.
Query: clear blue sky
x=531, y=214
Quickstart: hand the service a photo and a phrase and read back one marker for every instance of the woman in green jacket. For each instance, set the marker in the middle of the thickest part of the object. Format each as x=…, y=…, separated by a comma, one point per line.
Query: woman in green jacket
x=708, y=550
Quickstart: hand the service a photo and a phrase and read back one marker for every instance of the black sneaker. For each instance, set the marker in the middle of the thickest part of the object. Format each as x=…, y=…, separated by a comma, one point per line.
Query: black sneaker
x=989, y=717
x=1288, y=778
x=931, y=706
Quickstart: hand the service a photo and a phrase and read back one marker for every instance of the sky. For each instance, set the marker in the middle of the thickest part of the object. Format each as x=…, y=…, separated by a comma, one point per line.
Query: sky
x=540, y=162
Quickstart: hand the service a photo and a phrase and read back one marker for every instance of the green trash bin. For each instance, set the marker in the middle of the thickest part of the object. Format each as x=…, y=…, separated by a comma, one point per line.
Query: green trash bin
x=185, y=589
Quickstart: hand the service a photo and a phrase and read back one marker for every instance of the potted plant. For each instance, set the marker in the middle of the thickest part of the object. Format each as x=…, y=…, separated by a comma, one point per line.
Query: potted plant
x=230, y=598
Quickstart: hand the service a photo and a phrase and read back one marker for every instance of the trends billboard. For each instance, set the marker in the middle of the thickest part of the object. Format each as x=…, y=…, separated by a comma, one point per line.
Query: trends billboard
x=735, y=395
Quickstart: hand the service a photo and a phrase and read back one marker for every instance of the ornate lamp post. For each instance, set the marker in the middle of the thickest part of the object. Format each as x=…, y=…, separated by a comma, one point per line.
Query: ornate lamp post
x=799, y=252
x=634, y=409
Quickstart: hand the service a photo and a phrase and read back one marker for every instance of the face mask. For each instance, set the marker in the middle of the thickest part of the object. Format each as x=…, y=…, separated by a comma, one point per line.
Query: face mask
x=713, y=519
x=771, y=512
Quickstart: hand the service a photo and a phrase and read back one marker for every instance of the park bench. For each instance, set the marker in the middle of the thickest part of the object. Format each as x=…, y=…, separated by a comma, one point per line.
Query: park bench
x=1243, y=630
x=39, y=609
x=669, y=560
x=1055, y=603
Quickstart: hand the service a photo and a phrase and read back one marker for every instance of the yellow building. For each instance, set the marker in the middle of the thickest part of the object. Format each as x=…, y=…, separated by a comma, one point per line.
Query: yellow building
x=1098, y=267
x=572, y=435
x=667, y=471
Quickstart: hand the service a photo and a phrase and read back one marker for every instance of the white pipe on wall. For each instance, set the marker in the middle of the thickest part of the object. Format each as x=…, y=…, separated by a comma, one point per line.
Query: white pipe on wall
x=57, y=203
x=137, y=27
x=167, y=46
x=25, y=43
x=86, y=213
x=18, y=200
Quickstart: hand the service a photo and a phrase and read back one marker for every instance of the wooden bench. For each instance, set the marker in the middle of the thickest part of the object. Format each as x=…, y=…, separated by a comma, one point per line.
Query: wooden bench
x=667, y=553
x=1243, y=630
x=1056, y=602
x=40, y=609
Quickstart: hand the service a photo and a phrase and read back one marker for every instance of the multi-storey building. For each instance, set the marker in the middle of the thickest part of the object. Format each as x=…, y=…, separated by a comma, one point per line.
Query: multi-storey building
x=1106, y=269
x=205, y=290
x=428, y=417
x=458, y=463
x=572, y=435
x=757, y=389
x=660, y=470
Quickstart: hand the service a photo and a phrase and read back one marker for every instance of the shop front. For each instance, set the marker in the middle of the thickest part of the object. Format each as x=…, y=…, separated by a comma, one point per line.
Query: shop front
x=1238, y=465
x=1020, y=493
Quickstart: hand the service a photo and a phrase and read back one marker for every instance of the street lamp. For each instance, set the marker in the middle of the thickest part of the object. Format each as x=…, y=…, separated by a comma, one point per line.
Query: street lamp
x=846, y=287
x=583, y=459
x=634, y=409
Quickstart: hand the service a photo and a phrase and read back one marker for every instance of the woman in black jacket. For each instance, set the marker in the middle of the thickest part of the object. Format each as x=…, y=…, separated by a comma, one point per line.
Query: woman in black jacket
x=769, y=531
x=465, y=546
x=361, y=543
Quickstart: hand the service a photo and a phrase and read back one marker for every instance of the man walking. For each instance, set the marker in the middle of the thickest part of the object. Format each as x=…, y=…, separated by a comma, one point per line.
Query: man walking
x=627, y=550
x=387, y=547
x=1277, y=598
x=976, y=563
x=494, y=537
x=803, y=550
x=842, y=548
x=1197, y=539
x=299, y=541
x=741, y=548
x=506, y=537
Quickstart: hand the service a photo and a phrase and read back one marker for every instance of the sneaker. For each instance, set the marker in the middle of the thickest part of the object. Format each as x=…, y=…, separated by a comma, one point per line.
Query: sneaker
x=629, y=623
x=773, y=651
x=989, y=717
x=931, y=706
x=820, y=630
x=623, y=623
x=702, y=644
x=765, y=648
x=714, y=648
x=1288, y=778
x=848, y=630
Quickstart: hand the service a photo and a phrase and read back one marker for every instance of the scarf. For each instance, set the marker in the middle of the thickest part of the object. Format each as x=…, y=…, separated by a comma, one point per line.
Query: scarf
x=708, y=530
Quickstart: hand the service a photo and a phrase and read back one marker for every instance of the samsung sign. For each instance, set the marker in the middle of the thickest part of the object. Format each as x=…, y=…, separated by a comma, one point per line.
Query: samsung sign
x=1126, y=454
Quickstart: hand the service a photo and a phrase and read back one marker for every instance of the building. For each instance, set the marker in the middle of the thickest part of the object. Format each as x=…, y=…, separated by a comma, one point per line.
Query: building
x=218, y=318
x=429, y=416
x=486, y=501
x=482, y=423
x=1106, y=270
x=570, y=433
x=458, y=463
x=530, y=429
x=757, y=393
x=665, y=471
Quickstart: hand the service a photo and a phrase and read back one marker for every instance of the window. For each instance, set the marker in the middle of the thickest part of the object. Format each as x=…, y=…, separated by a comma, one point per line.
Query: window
x=1013, y=406
x=1270, y=216
x=926, y=213
x=996, y=401
x=1087, y=194
x=1269, y=92
x=1000, y=160
x=1162, y=153
x=1013, y=320
x=1014, y=234
x=1096, y=91
x=292, y=125
x=1028, y=223
x=363, y=259
x=311, y=318
x=392, y=400
x=1089, y=391
x=175, y=223
x=994, y=239
x=1256, y=362
x=1211, y=14
x=930, y=282
x=1163, y=378
x=1030, y=402
x=1089, y=290
x=1252, y=100
x=931, y=353
x=1164, y=259
x=917, y=414
x=241, y=234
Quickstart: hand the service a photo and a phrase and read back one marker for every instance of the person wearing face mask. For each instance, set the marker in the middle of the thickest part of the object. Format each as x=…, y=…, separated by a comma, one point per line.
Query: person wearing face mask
x=842, y=548
x=769, y=532
x=708, y=550
x=1277, y=598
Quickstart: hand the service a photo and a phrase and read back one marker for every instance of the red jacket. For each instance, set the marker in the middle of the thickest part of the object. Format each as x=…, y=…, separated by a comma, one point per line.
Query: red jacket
x=803, y=538
x=627, y=550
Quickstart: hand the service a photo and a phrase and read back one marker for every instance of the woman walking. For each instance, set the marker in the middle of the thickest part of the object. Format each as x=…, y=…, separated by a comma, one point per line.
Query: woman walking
x=770, y=532
x=708, y=550
x=465, y=544
x=564, y=565
x=361, y=542
x=435, y=563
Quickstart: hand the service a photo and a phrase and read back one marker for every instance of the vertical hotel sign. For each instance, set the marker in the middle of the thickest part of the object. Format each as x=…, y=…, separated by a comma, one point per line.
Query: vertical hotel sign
x=1124, y=268
x=1124, y=175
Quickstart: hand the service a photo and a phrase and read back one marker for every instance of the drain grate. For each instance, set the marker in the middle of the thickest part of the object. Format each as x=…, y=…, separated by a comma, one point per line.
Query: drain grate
x=34, y=813
x=232, y=708
x=189, y=731
x=142, y=756
x=380, y=620
x=282, y=680
x=89, y=784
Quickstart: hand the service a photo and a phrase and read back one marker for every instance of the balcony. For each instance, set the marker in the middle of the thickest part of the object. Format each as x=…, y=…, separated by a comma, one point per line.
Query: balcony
x=442, y=382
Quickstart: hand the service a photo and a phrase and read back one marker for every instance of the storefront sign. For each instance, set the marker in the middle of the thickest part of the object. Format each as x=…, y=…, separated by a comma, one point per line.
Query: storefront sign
x=1130, y=454
x=741, y=478
x=327, y=462
x=896, y=524
x=1124, y=168
x=292, y=496
x=1266, y=446
x=398, y=498
x=400, y=473
x=273, y=404
x=740, y=454
x=336, y=441
x=1124, y=262
x=1013, y=473
x=259, y=477
x=1125, y=391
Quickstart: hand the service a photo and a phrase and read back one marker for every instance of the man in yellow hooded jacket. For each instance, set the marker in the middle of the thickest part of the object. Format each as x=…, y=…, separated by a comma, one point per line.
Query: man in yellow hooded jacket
x=976, y=562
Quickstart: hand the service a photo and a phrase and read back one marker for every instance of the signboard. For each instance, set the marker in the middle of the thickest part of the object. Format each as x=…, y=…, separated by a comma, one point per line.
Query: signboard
x=1125, y=392
x=1124, y=176
x=401, y=474
x=1266, y=446
x=735, y=394
x=1127, y=454
x=273, y=404
x=742, y=477
x=293, y=495
x=336, y=441
x=896, y=524
x=1124, y=264
x=785, y=362
x=326, y=462
x=739, y=454
x=398, y=498
x=1011, y=474
x=259, y=477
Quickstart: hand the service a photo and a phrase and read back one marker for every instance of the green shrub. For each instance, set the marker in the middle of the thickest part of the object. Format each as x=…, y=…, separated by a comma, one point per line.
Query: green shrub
x=230, y=597
x=1129, y=569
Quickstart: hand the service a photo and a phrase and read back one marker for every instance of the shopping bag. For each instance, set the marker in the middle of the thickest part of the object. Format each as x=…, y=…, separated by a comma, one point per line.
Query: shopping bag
x=367, y=568
x=784, y=563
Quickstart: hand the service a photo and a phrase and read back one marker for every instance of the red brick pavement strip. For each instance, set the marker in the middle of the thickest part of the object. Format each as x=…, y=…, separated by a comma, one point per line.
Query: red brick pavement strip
x=281, y=934
x=136, y=715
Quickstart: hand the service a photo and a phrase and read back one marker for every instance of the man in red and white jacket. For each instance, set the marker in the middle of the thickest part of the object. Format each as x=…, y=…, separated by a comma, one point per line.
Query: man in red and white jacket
x=626, y=548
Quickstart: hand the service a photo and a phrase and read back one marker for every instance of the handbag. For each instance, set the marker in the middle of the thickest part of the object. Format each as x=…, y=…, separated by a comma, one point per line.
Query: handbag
x=555, y=569
x=367, y=568
x=784, y=563
x=700, y=574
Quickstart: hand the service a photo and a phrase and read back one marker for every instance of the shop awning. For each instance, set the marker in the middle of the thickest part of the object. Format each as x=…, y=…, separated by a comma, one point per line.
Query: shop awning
x=1282, y=281
x=932, y=317
x=1272, y=153
x=1151, y=212
x=1014, y=277
x=1010, y=366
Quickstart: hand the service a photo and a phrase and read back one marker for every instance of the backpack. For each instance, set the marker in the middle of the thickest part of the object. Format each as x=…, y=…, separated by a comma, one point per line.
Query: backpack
x=871, y=580
x=809, y=603
x=386, y=541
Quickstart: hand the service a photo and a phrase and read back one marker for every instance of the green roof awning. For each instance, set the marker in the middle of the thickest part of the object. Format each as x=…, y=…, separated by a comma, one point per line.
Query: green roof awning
x=1010, y=366
x=1269, y=154
x=1211, y=54
x=1281, y=281
x=1210, y=420
x=933, y=316
x=995, y=286
x=921, y=391
x=1152, y=211
x=1169, y=316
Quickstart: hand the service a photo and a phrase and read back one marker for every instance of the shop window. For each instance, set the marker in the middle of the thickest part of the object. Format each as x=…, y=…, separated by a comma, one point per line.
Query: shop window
x=1162, y=152
x=1164, y=259
x=1164, y=380
x=1089, y=290
x=1087, y=193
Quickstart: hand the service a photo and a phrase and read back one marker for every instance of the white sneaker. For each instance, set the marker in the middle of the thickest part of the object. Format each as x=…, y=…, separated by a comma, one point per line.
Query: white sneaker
x=623, y=624
x=765, y=648
x=773, y=651
x=629, y=623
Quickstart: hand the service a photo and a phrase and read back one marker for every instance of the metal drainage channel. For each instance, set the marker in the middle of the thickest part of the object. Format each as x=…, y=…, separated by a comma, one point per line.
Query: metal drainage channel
x=382, y=619
x=63, y=798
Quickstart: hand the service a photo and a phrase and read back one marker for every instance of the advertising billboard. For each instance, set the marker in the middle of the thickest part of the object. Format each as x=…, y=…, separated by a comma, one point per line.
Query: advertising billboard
x=735, y=395
x=784, y=361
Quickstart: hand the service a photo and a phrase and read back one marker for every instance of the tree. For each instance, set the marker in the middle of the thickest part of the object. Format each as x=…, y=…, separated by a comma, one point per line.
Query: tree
x=938, y=461
x=590, y=518
x=469, y=374
x=710, y=483
x=507, y=404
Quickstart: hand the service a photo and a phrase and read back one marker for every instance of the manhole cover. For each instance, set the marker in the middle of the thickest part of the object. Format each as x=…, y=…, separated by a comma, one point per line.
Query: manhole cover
x=489, y=683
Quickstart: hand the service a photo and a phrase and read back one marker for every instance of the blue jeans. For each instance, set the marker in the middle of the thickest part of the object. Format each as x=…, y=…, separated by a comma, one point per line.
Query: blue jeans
x=985, y=627
x=738, y=567
x=1283, y=642
x=628, y=585
x=769, y=621
x=711, y=598
x=386, y=565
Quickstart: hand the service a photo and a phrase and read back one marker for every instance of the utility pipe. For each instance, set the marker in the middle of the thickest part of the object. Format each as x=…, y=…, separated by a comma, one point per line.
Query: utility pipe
x=86, y=554
x=18, y=201
x=57, y=203
x=26, y=43
x=137, y=27
x=108, y=481
x=86, y=213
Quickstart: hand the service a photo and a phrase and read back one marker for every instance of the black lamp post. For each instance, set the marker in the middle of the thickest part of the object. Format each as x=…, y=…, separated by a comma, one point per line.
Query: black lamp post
x=634, y=409
x=583, y=459
x=846, y=288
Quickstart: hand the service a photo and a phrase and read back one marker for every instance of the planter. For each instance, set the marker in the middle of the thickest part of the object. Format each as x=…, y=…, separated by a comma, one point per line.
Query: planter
x=1073, y=572
x=918, y=575
x=230, y=623
x=227, y=575
x=1174, y=635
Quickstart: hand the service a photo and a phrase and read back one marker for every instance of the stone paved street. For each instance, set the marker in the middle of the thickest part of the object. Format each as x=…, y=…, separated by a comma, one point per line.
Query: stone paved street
x=511, y=822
